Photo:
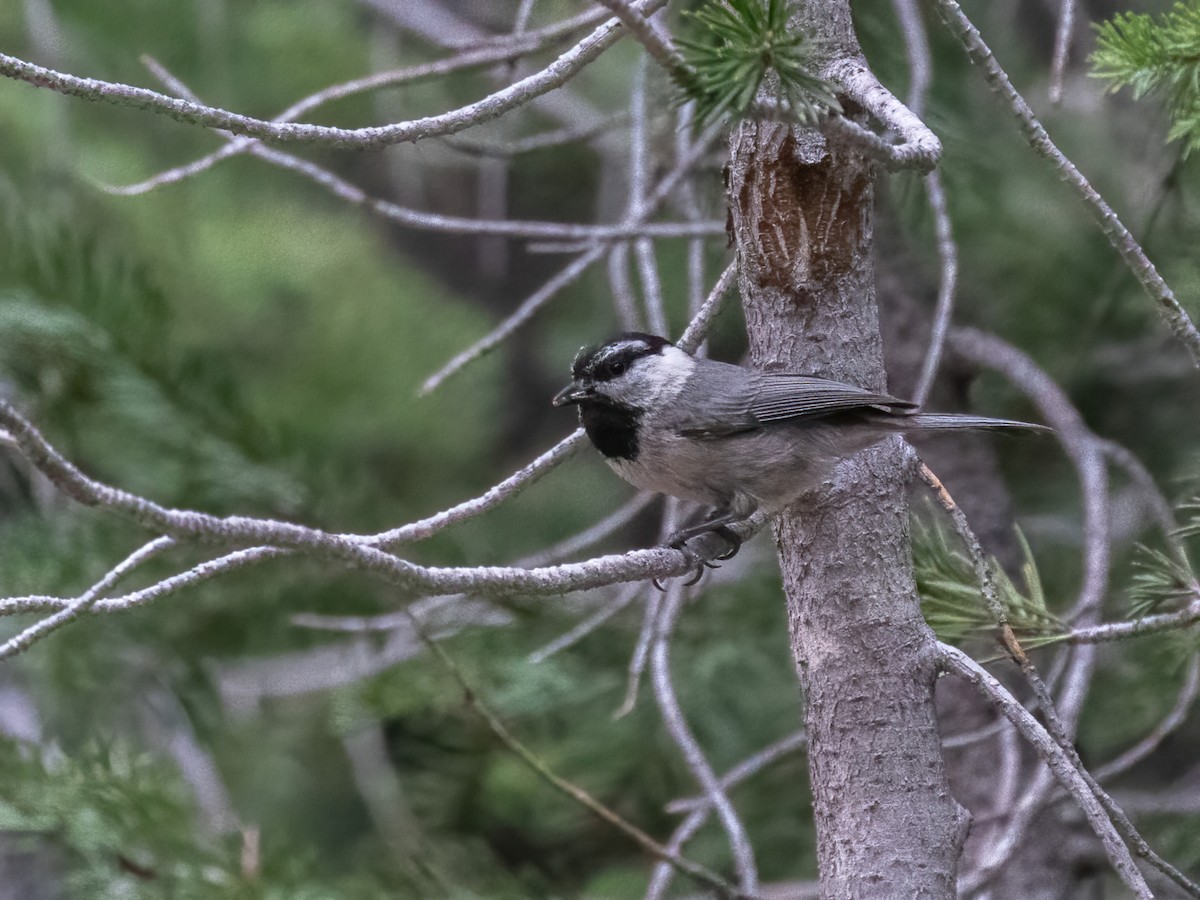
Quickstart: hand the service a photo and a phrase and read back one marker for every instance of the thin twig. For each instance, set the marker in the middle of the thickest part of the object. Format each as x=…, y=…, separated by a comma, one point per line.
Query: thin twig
x=693, y=755
x=491, y=107
x=920, y=73
x=1118, y=631
x=948, y=257
x=983, y=570
x=624, y=597
x=1173, y=719
x=22, y=436
x=77, y=608
x=645, y=639
x=916, y=48
x=1157, y=504
x=749, y=766
x=687, y=201
x=1056, y=728
x=643, y=31
x=700, y=808
x=1078, y=443
x=639, y=172
x=544, y=140
x=1174, y=315
x=569, y=789
x=693, y=335
x=570, y=273
x=591, y=535
x=1062, y=47
x=492, y=497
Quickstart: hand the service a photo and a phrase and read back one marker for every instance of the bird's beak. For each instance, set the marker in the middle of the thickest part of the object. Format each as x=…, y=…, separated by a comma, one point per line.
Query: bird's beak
x=572, y=393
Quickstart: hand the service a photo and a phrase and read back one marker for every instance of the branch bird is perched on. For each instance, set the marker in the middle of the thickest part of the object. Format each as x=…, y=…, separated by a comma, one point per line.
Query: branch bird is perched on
x=728, y=437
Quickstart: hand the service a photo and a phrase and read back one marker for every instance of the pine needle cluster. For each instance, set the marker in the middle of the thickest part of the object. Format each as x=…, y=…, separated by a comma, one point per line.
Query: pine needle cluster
x=739, y=43
x=953, y=603
x=1161, y=55
x=1165, y=581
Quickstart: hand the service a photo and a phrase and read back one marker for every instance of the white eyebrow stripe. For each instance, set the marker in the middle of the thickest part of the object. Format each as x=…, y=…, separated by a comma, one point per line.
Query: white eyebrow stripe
x=610, y=350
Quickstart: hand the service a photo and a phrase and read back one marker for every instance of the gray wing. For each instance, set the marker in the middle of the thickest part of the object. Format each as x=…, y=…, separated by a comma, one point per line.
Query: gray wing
x=796, y=396
x=742, y=400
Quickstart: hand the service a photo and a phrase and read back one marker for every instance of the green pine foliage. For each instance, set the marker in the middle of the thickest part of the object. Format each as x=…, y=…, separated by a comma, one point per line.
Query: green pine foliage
x=259, y=345
x=1164, y=581
x=953, y=603
x=740, y=43
x=1160, y=55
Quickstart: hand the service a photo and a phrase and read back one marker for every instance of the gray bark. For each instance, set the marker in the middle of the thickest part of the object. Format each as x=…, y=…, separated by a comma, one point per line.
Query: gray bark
x=802, y=217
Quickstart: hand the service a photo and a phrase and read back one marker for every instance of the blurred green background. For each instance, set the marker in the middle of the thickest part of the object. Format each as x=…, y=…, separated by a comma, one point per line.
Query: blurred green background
x=245, y=342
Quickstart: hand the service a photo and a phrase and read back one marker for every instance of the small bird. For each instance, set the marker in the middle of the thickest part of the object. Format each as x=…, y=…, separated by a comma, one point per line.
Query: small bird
x=731, y=438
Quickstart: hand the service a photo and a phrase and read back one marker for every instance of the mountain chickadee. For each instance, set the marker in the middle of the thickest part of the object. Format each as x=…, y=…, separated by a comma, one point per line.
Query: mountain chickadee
x=728, y=437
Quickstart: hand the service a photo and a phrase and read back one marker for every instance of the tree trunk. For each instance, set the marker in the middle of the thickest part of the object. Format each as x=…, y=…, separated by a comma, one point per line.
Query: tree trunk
x=802, y=211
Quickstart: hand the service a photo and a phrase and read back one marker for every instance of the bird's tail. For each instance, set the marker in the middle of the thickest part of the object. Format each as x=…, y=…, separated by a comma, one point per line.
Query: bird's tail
x=953, y=421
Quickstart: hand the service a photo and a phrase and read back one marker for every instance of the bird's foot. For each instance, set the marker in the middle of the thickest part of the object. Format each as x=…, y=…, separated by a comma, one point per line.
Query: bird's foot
x=679, y=541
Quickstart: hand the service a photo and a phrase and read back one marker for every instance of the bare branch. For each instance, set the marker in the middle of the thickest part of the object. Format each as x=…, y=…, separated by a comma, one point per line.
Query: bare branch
x=592, y=535
x=1058, y=728
x=426, y=221
x=417, y=16
x=573, y=791
x=948, y=255
x=1062, y=47
x=658, y=47
x=639, y=170
x=76, y=608
x=983, y=569
x=377, y=81
x=958, y=663
x=1117, y=631
x=693, y=755
x=748, y=767
x=693, y=335
x=686, y=200
x=540, y=141
x=646, y=634
x=624, y=597
x=919, y=149
x=361, y=551
x=700, y=808
x=916, y=47
x=492, y=497
x=920, y=69
x=1077, y=441
x=1152, y=496
x=571, y=272
x=484, y=110
x=1174, y=315
x=566, y=276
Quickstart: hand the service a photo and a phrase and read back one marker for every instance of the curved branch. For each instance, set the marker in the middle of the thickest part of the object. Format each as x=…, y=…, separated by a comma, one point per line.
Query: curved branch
x=491, y=107
x=685, y=740
x=919, y=148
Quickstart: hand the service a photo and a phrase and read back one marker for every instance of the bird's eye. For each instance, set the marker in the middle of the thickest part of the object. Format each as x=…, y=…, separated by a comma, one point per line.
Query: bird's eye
x=618, y=368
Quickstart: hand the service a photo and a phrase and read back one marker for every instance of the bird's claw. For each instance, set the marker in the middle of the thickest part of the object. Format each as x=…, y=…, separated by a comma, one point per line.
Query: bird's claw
x=680, y=544
x=735, y=542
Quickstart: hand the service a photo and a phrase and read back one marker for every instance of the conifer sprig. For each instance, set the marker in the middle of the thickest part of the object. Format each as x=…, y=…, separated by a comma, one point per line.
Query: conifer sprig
x=739, y=43
x=1136, y=50
x=953, y=604
x=1166, y=580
